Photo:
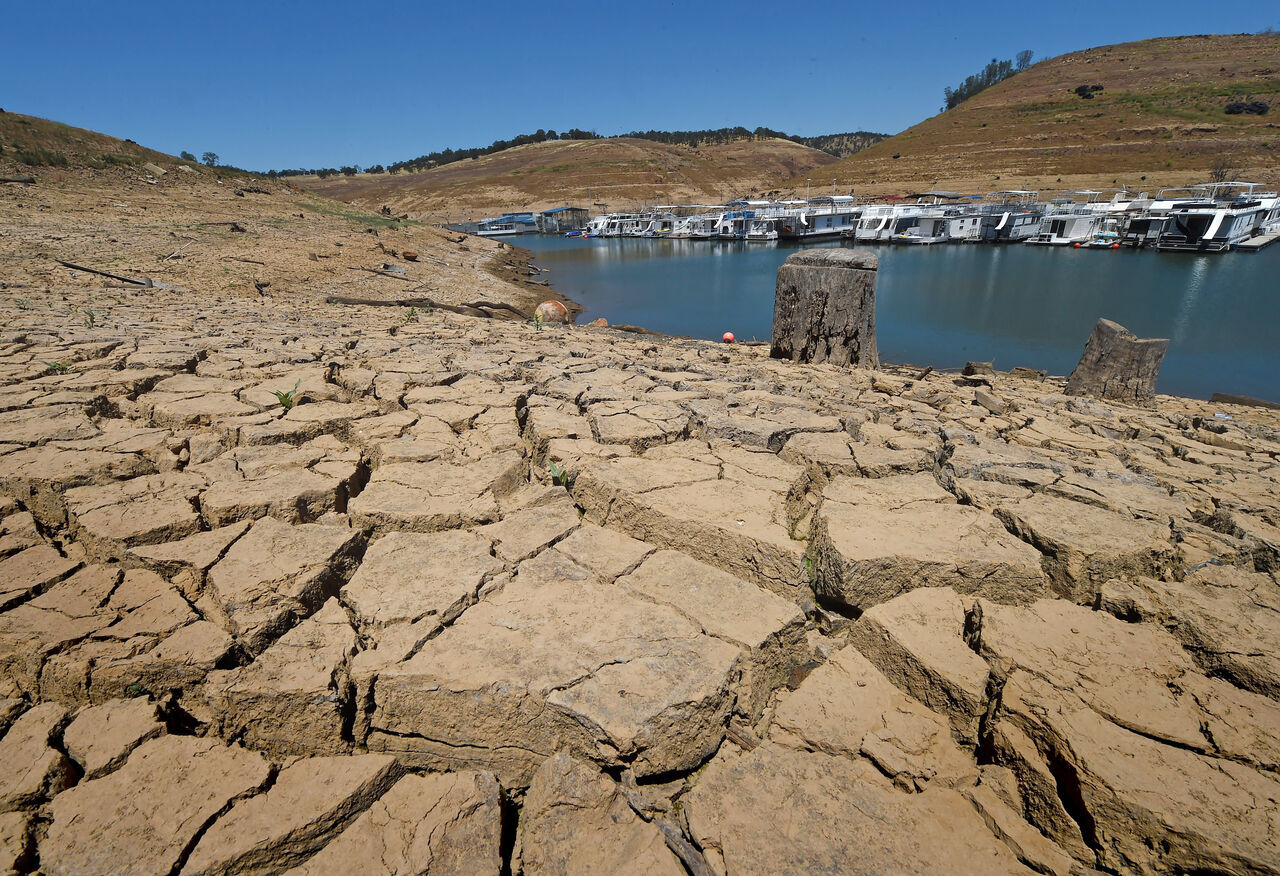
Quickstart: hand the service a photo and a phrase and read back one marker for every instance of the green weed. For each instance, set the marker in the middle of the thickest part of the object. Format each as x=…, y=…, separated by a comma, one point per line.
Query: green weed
x=288, y=398
x=559, y=476
x=55, y=367
x=36, y=157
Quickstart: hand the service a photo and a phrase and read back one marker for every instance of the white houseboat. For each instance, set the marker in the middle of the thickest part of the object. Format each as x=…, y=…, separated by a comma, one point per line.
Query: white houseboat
x=511, y=223
x=875, y=223
x=1235, y=212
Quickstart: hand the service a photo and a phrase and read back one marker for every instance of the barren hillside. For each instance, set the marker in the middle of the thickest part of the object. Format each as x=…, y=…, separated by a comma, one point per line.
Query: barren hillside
x=617, y=172
x=90, y=200
x=1159, y=119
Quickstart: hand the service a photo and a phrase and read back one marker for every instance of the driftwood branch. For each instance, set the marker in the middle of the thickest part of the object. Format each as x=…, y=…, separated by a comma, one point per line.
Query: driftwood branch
x=246, y=261
x=177, y=254
x=145, y=281
x=383, y=273
x=470, y=307
x=25, y=180
x=742, y=736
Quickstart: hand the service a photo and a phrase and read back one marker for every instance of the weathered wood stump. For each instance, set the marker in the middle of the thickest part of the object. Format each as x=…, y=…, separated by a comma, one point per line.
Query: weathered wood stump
x=824, y=308
x=1118, y=365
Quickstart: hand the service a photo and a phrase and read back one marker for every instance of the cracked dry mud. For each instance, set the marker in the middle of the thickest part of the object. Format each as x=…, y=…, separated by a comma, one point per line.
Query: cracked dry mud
x=572, y=601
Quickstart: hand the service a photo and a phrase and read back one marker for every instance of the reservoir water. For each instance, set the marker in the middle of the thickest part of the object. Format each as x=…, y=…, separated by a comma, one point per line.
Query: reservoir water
x=945, y=305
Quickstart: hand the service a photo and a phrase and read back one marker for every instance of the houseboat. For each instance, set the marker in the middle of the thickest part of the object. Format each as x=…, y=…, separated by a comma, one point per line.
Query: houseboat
x=875, y=223
x=1235, y=212
x=1069, y=222
x=511, y=223
x=818, y=218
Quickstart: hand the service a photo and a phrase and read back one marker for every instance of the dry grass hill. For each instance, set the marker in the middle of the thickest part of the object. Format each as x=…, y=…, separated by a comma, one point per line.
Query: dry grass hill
x=90, y=199
x=614, y=174
x=29, y=142
x=1160, y=115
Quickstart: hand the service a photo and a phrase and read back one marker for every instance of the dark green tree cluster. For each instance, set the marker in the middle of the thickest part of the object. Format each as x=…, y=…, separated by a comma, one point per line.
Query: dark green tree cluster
x=836, y=144
x=842, y=145
x=995, y=71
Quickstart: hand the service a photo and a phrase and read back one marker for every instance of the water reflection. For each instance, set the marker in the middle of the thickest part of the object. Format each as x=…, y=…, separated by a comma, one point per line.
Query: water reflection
x=1195, y=278
x=943, y=305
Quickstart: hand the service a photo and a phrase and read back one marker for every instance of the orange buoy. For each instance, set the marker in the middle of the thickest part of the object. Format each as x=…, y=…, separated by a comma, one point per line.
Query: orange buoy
x=1115, y=246
x=728, y=337
x=1076, y=245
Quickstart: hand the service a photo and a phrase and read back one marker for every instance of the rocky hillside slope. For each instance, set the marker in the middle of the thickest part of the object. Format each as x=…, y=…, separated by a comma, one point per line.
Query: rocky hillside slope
x=612, y=174
x=1161, y=114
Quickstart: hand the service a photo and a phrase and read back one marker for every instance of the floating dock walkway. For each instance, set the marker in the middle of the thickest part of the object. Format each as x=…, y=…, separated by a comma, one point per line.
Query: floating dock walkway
x=1262, y=241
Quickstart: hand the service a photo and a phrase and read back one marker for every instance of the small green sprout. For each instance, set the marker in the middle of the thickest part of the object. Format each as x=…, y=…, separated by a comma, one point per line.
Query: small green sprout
x=537, y=322
x=559, y=476
x=288, y=399
x=90, y=317
x=55, y=367
x=411, y=315
x=23, y=303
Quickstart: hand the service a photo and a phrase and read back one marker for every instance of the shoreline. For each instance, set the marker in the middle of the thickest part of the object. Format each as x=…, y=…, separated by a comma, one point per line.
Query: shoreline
x=955, y=366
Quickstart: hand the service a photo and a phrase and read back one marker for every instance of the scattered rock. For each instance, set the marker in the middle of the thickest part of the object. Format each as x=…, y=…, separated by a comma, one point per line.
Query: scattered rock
x=552, y=311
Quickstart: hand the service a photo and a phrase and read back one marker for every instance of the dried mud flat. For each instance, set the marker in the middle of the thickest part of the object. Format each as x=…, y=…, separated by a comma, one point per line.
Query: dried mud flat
x=486, y=597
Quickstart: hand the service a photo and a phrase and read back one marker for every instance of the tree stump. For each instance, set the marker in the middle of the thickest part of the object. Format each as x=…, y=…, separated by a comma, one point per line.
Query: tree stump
x=1117, y=365
x=824, y=308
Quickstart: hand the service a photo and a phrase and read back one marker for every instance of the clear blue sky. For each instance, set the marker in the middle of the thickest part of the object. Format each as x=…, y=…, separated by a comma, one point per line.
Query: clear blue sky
x=307, y=84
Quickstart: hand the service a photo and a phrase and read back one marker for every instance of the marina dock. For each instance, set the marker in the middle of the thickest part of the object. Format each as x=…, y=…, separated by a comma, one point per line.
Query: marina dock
x=1208, y=218
x=1262, y=241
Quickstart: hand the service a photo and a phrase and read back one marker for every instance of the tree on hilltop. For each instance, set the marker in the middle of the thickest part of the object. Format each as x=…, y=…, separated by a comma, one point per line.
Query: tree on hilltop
x=186, y=156
x=209, y=158
x=996, y=71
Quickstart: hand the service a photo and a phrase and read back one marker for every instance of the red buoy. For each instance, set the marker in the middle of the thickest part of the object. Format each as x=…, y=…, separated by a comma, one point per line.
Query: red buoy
x=728, y=337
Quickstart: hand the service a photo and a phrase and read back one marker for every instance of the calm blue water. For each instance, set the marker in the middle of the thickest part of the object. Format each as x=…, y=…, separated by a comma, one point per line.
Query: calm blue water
x=944, y=305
